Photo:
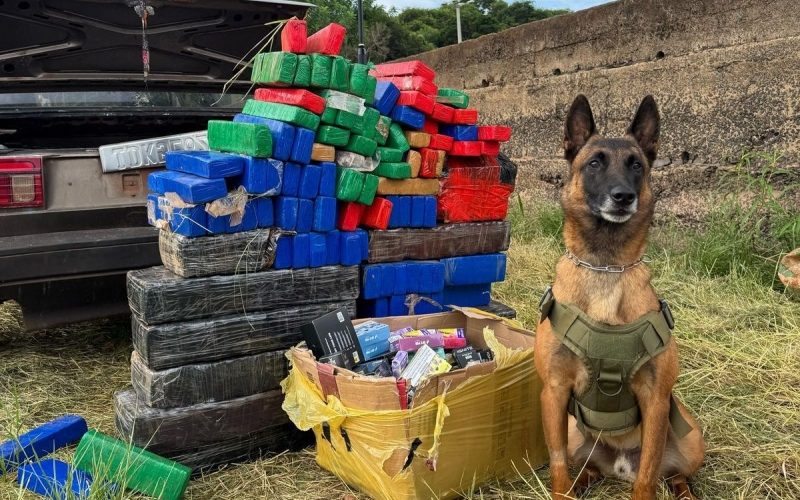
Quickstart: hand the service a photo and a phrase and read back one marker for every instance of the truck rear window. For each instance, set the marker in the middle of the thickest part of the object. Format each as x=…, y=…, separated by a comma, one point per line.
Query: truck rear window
x=21, y=102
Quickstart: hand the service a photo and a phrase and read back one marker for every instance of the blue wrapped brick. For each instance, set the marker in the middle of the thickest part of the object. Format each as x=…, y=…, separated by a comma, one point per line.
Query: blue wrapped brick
x=350, y=248
x=207, y=164
x=429, y=220
x=190, y=188
x=55, y=479
x=249, y=219
x=282, y=134
x=428, y=276
x=324, y=214
x=426, y=307
x=305, y=216
x=291, y=179
x=468, y=295
x=327, y=179
x=401, y=211
x=309, y=181
x=317, y=250
x=190, y=221
x=386, y=95
x=408, y=116
x=40, y=441
x=387, y=280
x=262, y=175
x=400, y=279
x=301, y=252
x=417, y=211
x=460, y=132
x=474, y=269
x=374, y=308
x=303, y=144
x=284, y=252
x=218, y=225
x=333, y=244
x=264, y=211
x=397, y=305
x=153, y=212
x=371, y=287
x=286, y=212
x=364, y=240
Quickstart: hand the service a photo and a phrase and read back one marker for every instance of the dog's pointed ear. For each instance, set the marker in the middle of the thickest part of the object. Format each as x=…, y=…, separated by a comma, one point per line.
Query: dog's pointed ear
x=579, y=127
x=646, y=126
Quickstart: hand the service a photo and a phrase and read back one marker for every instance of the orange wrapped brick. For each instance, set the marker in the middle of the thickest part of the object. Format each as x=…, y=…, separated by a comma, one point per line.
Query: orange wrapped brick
x=418, y=139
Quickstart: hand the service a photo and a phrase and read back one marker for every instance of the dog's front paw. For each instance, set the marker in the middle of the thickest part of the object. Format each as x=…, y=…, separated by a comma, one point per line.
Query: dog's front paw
x=644, y=491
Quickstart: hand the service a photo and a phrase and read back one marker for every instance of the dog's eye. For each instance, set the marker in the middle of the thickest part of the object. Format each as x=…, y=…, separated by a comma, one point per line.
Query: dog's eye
x=594, y=164
x=636, y=165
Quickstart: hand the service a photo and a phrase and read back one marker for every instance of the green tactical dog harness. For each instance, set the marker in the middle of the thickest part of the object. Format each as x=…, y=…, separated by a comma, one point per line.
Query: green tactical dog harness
x=612, y=355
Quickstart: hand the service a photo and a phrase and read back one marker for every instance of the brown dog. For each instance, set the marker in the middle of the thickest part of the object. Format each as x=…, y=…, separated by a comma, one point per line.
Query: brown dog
x=602, y=284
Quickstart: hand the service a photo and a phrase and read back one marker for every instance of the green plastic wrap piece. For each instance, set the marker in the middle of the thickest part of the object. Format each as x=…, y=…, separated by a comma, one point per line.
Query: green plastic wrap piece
x=334, y=136
x=349, y=184
x=361, y=145
x=394, y=170
x=371, y=118
x=390, y=155
x=346, y=120
x=369, y=91
x=329, y=116
x=243, y=138
x=397, y=138
x=282, y=112
x=368, y=191
x=358, y=79
x=302, y=77
x=275, y=68
x=340, y=74
x=320, y=70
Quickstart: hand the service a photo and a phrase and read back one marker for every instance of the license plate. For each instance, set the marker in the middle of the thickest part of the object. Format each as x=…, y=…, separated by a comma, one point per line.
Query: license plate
x=148, y=153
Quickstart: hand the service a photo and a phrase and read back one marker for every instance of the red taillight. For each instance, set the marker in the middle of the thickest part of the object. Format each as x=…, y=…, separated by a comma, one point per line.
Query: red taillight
x=21, y=182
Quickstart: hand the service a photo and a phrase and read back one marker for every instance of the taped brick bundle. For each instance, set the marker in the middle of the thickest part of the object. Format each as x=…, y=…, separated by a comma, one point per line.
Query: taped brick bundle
x=413, y=83
x=417, y=100
x=294, y=36
x=466, y=148
x=242, y=138
x=397, y=138
x=420, y=187
x=490, y=148
x=408, y=116
x=442, y=113
x=341, y=101
x=281, y=112
x=368, y=191
x=418, y=139
x=190, y=188
x=412, y=68
x=283, y=134
x=441, y=142
x=432, y=163
x=453, y=97
x=350, y=215
x=349, y=184
x=328, y=40
x=295, y=97
x=355, y=161
x=399, y=170
x=377, y=215
x=331, y=135
x=321, y=66
x=391, y=154
x=361, y=145
x=208, y=164
x=302, y=75
x=323, y=152
x=494, y=133
x=473, y=194
x=414, y=160
x=340, y=74
x=274, y=68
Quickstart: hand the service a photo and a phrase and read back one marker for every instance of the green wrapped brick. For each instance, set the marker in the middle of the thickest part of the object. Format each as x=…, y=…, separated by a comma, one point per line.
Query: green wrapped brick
x=358, y=79
x=340, y=74
x=397, y=138
x=329, y=116
x=346, y=120
x=369, y=91
x=275, y=68
x=371, y=118
x=131, y=467
x=334, y=136
x=358, y=125
x=382, y=130
x=394, y=170
x=390, y=155
x=320, y=70
x=302, y=76
x=243, y=138
x=368, y=191
x=282, y=112
x=453, y=97
x=349, y=184
x=361, y=145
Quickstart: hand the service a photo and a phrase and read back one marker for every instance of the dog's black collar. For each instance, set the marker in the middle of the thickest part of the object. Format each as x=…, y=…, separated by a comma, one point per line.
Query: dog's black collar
x=604, y=269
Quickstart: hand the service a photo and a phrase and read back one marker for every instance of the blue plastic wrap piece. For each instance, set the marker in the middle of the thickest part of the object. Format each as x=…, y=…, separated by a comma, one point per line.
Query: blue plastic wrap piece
x=207, y=164
x=284, y=253
x=189, y=221
x=428, y=276
x=301, y=251
x=460, y=132
x=408, y=116
x=291, y=179
x=249, y=218
x=282, y=134
x=190, y=188
x=261, y=175
x=417, y=211
x=286, y=212
x=153, y=212
x=350, y=248
x=41, y=441
x=400, y=279
x=265, y=212
x=364, y=240
x=430, y=212
x=218, y=225
x=333, y=244
x=303, y=143
x=305, y=216
x=317, y=249
x=468, y=295
x=474, y=269
x=56, y=479
x=401, y=211
x=324, y=214
x=327, y=179
x=374, y=308
x=309, y=181
x=386, y=95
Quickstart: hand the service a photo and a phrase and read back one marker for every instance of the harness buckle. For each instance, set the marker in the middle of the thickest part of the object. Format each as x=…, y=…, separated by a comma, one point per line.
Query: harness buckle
x=546, y=303
x=667, y=312
x=610, y=383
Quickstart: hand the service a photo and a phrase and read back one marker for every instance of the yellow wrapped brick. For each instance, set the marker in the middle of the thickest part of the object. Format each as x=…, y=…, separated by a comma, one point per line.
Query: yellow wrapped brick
x=414, y=159
x=323, y=152
x=465, y=428
x=418, y=139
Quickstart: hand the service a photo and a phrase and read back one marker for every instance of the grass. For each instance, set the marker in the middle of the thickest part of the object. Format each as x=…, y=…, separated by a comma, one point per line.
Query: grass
x=738, y=335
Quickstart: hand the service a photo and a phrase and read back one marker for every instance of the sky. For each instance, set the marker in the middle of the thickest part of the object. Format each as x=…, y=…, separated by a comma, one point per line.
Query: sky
x=543, y=4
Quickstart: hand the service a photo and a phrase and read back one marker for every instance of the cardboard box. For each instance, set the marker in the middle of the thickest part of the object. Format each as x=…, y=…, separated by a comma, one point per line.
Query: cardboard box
x=471, y=425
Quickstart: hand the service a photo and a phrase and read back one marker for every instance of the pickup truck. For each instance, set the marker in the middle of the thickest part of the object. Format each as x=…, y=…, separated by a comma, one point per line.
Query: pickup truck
x=73, y=79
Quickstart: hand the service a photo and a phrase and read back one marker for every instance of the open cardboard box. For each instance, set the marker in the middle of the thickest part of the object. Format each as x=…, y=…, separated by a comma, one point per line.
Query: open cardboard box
x=464, y=428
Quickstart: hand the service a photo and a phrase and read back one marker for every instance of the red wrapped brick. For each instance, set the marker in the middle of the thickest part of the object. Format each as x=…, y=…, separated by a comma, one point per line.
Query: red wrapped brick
x=416, y=100
x=442, y=113
x=430, y=127
x=490, y=148
x=350, y=215
x=467, y=116
x=494, y=133
x=412, y=83
x=473, y=193
x=294, y=36
x=295, y=97
x=327, y=41
x=472, y=162
x=466, y=148
x=407, y=68
x=377, y=215
x=441, y=142
x=430, y=160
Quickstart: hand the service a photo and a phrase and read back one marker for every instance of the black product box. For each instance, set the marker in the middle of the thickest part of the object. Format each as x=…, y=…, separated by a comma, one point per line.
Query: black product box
x=466, y=355
x=332, y=339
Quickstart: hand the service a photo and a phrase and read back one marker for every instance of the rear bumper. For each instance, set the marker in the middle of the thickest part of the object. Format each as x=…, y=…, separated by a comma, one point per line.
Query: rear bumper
x=73, y=276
